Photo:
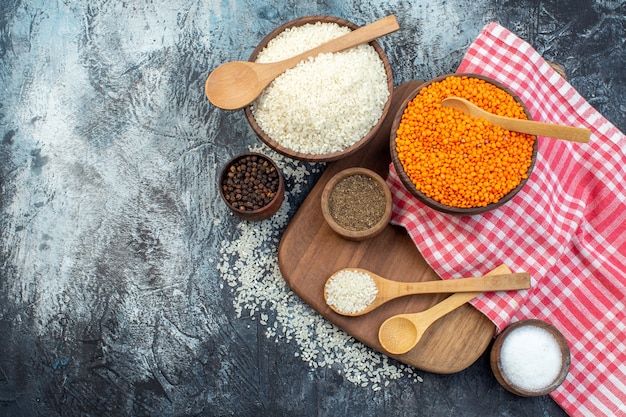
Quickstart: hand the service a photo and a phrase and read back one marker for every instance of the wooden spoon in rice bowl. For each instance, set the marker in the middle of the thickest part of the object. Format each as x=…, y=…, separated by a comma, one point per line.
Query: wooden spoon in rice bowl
x=356, y=291
x=236, y=84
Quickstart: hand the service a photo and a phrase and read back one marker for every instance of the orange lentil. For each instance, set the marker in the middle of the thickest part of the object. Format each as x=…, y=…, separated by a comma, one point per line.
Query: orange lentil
x=456, y=159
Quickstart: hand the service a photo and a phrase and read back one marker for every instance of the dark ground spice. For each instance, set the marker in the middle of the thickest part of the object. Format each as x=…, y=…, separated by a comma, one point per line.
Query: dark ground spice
x=357, y=202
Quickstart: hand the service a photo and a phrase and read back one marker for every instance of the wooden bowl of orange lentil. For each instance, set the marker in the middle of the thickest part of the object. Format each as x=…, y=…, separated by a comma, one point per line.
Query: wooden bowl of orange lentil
x=455, y=163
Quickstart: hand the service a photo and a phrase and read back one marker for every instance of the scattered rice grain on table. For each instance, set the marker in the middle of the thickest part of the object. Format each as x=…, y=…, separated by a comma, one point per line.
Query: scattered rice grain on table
x=249, y=267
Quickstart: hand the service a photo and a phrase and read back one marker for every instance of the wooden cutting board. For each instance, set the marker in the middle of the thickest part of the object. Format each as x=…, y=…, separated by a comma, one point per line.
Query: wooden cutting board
x=310, y=252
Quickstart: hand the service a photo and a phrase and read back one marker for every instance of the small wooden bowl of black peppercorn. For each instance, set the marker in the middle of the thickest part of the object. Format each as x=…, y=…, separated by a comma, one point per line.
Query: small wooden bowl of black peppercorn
x=252, y=186
x=356, y=203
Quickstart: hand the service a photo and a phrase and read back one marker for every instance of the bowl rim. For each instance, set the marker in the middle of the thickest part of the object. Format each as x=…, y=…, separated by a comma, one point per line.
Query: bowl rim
x=408, y=184
x=496, y=361
x=356, y=235
x=267, y=210
x=333, y=156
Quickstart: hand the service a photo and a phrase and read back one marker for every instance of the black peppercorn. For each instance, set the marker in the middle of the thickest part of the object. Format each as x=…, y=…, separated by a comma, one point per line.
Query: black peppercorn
x=251, y=183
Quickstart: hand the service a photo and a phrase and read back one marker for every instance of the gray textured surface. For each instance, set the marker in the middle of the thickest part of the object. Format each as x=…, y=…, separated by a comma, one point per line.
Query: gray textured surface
x=119, y=265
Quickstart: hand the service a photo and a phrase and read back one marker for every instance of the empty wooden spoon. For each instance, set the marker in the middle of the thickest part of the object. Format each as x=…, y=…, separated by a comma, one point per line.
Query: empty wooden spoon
x=400, y=333
x=236, y=84
x=388, y=290
x=571, y=133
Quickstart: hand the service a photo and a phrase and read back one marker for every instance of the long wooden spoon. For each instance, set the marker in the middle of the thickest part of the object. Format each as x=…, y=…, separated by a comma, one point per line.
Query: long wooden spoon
x=236, y=84
x=389, y=290
x=571, y=133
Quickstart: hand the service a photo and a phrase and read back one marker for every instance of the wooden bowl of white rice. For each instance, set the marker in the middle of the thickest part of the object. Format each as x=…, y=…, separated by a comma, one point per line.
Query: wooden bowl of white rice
x=328, y=107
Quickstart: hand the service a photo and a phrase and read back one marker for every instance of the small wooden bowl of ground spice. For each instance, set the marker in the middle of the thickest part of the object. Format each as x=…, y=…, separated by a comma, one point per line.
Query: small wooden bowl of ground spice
x=252, y=186
x=455, y=163
x=356, y=203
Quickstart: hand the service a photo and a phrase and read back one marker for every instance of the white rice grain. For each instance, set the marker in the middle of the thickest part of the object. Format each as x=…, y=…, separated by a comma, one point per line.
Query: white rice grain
x=324, y=104
x=249, y=265
x=351, y=291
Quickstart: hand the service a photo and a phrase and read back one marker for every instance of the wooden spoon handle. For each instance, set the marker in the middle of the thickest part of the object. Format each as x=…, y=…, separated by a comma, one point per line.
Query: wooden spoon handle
x=502, y=282
x=425, y=318
x=358, y=36
x=571, y=133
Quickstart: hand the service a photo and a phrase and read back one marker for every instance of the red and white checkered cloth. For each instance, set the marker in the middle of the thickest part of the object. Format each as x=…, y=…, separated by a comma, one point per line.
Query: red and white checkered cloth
x=567, y=228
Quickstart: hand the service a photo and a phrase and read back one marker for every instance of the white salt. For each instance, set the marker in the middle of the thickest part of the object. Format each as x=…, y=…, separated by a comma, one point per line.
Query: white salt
x=350, y=291
x=530, y=358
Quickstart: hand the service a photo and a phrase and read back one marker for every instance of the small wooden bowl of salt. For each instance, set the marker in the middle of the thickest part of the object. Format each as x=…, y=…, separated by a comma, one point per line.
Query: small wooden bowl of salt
x=530, y=358
x=356, y=203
